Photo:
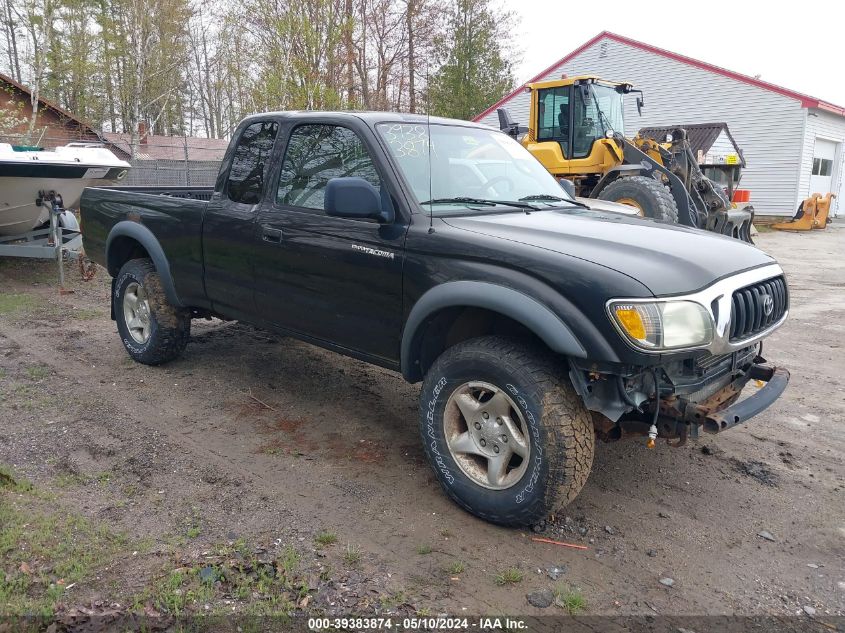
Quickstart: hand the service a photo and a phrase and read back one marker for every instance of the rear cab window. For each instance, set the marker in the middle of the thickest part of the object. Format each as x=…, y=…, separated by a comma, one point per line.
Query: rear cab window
x=251, y=162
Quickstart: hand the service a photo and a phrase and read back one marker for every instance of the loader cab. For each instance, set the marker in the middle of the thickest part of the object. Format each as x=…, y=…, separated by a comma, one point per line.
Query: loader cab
x=576, y=113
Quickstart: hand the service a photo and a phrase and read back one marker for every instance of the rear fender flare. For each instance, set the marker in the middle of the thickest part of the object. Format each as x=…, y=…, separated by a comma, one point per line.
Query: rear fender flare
x=145, y=238
x=511, y=303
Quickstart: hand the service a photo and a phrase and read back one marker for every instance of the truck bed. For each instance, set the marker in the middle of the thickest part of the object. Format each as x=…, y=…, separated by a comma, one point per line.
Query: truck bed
x=174, y=215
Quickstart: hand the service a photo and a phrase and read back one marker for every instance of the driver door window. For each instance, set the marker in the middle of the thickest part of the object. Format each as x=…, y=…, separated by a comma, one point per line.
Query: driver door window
x=316, y=154
x=553, y=117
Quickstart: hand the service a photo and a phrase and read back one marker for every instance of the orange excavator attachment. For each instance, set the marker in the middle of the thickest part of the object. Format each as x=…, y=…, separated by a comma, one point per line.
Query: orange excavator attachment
x=812, y=214
x=823, y=211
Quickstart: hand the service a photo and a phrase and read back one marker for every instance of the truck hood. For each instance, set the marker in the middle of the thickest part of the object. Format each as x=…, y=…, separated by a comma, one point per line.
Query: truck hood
x=667, y=259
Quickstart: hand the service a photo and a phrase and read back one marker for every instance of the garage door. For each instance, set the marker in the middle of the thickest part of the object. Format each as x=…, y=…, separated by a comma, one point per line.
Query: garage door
x=821, y=178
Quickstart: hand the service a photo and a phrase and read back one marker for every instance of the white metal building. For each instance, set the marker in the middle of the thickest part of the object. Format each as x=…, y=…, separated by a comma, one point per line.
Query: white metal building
x=793, y=144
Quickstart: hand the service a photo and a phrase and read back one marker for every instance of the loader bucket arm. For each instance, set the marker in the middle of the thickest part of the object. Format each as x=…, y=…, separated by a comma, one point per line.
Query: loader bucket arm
x=633, y=155
x=701, y=204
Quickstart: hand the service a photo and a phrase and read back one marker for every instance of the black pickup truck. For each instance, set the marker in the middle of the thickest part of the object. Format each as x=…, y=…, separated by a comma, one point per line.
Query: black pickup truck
x=443, y=250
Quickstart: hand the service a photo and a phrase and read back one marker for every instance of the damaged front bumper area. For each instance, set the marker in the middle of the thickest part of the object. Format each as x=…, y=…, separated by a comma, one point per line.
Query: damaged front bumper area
x=704, y=398
x=714, y=419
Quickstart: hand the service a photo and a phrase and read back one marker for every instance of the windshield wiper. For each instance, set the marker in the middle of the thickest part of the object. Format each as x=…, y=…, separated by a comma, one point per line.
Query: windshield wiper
x=542, y=197
x=482, y=202
x=461, y=200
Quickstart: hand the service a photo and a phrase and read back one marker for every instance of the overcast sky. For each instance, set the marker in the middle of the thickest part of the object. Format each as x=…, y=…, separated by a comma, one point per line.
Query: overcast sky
x=797, y=45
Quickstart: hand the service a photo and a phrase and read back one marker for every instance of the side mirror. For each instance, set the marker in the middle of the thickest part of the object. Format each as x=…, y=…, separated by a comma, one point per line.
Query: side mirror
x=568, y=186
x=640, y=104
x=355, y=198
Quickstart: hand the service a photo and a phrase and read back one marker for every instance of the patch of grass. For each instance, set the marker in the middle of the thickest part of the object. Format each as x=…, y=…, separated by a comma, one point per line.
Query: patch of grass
x=457, y=567
x=11, y=303
x=257, y=586
x=2, y=373
x=11, y=481
x=29, y=397
x=509, y=576
x=570, y=598
x=290, y=561
x=44, y=548
x=192, y=525
x=392, y=600
x=424, y=550
x=352, y=555
x=85, y=314
x=71, y=480
x=324, y=539
x=38, y=372
x=103, y=478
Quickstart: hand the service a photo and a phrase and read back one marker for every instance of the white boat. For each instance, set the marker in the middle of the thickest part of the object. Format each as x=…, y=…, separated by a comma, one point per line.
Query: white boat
x=27, y=176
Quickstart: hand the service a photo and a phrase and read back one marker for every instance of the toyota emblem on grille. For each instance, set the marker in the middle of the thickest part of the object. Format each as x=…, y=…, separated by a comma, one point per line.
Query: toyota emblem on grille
x=768, y=305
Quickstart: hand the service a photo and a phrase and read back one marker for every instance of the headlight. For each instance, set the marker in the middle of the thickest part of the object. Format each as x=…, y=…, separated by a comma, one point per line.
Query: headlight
x=663, y=325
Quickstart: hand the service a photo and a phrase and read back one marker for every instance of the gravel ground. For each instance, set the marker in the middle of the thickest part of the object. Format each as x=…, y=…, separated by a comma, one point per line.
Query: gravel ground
x=253, y=436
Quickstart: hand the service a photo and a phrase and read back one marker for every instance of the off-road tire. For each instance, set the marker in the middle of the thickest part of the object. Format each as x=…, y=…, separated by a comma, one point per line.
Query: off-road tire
x=561, y=431
x=170, y=327
x=654, y=198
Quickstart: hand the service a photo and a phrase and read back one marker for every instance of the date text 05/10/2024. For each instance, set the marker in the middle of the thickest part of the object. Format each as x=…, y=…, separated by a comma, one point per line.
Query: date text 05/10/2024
x=417, y=624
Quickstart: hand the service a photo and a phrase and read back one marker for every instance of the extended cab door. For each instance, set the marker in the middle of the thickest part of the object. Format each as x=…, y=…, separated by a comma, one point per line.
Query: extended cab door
x=230, y=220
x=338, y=280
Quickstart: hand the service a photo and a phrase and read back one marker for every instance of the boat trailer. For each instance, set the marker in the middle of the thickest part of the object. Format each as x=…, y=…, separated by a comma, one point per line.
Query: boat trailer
x=60, y=239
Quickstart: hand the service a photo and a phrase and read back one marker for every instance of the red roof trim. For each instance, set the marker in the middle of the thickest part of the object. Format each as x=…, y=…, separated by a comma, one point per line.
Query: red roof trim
x=806, y=100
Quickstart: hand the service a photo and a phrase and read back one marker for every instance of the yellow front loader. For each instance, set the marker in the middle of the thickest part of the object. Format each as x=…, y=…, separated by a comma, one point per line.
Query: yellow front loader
x=575, y=130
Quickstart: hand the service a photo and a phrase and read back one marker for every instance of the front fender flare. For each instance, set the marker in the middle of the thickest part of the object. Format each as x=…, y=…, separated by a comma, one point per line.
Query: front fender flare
x=478, y=294
x=145, y=238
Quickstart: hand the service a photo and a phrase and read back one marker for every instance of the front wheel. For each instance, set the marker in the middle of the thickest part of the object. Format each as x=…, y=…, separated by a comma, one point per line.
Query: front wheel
x=507, y=436
x=153, y=330
x=650, y=198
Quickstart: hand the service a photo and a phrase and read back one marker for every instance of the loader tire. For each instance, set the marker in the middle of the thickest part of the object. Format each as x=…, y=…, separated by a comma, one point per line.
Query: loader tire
x=651, y=198
x=152, y=330
x=492, y=400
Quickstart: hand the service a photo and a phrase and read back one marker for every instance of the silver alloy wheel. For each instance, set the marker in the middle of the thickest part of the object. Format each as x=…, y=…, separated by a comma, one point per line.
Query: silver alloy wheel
x=487, y=435
x=136, y=312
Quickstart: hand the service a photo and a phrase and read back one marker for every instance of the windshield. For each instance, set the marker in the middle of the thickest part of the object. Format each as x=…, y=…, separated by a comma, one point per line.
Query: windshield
x=605, y=110
x=468, y=162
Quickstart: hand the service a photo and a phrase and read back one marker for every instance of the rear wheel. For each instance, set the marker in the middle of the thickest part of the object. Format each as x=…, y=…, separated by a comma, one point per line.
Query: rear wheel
x=153, y=330
x=650, y=198
x=507, y=436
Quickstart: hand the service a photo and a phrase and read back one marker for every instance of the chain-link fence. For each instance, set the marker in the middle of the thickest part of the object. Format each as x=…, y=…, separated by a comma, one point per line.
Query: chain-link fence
x=171, y=173
x=164, y=161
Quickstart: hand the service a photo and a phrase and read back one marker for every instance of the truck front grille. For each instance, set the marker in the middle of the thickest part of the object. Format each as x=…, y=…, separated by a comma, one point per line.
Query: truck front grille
x=756, y=307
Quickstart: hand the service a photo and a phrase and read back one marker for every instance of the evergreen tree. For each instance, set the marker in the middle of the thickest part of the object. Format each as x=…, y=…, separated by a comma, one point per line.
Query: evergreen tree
x=476, y=69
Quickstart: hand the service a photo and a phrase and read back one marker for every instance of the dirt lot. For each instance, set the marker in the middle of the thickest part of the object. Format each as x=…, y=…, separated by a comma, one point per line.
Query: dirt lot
x=251, y=438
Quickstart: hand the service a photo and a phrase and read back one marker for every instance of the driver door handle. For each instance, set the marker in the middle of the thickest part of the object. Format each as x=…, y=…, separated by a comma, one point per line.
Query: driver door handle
x=271, y=234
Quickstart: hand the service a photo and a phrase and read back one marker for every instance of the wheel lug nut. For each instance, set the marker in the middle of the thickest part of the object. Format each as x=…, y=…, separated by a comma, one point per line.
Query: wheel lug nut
x=483, y=442
x=499, y=421
x=478, y=426
x=505, y=439
x=485, y=415
x=495, y=448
